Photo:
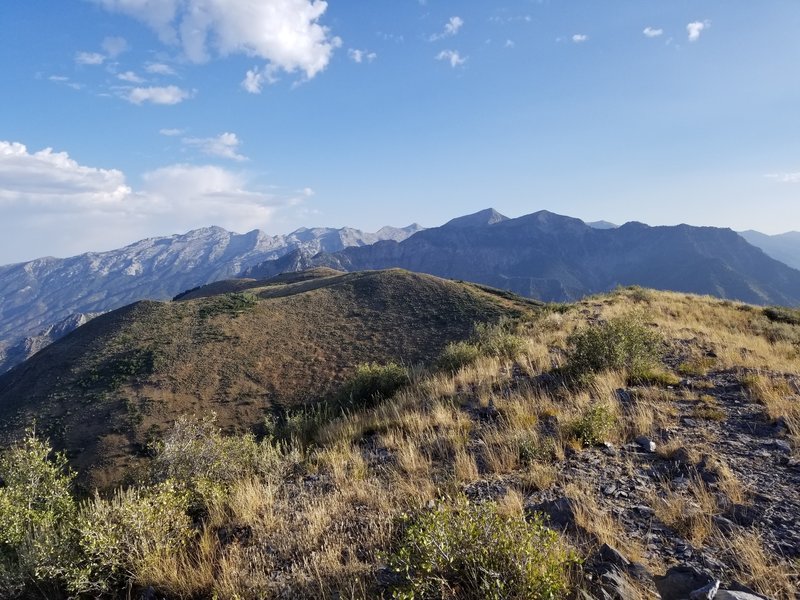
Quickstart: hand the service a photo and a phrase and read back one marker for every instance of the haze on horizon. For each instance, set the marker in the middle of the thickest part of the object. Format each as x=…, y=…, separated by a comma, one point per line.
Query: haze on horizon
x=120, y=121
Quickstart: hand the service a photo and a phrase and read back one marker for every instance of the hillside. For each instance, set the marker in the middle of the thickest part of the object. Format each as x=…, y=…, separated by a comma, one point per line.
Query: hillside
x=106, y=390
x=556, y=258
x=784, y=247
x=42, y=292
x=639, y=444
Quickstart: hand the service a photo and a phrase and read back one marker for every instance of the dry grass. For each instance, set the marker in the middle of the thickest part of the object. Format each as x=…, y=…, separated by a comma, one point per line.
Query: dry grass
x=689, y=512
x=758, y=569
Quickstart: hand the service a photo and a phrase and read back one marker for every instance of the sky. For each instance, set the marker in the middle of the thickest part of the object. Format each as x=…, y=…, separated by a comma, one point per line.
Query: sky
x=126, y=119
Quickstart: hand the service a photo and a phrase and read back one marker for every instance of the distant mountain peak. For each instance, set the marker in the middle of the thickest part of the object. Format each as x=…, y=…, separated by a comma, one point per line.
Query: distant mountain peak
x=488, y=216
x=601, y=224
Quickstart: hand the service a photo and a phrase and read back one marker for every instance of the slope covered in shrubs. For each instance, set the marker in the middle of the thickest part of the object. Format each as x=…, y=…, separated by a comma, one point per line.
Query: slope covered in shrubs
x=521, y=464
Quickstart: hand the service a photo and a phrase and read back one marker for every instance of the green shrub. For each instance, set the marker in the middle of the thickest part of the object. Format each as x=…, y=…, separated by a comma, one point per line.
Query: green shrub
x=197, y=456
x=457, y=355
x=622, y=344
x=471, y=551
x=233, y=305
x=123, y=538
x=498, y=340
x=594, y=425
x=372, y=383
x=36, y=509
x=780, y=314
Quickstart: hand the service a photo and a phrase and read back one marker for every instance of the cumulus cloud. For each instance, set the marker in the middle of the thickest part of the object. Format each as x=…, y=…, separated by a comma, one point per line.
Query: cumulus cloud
x=652, y=32
x=224, y=145
x=284, y=33
x=359, y=56
x=451, y=28
x=451, y=56
x=89, y=58
x=579, y=38
x=52, y=204
x=784, y=177
x=170, y=94
x=696, y=28
x=159, y=69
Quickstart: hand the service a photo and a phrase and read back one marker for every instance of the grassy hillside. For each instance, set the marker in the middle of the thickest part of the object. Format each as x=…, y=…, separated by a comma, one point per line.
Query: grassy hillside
x=632, y=444
x=239, y=349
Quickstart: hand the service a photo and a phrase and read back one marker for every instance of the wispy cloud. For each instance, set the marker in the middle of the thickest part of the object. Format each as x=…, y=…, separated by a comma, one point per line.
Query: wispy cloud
x=159, y=69
x=359, y=56
x=579, y=38
x=170, y=132
x=452, y=56
x=224, y=145
x=130, y=77
x=695, y=28
x=784, y=177
x=89, y=58
x=114, y=46
x=652, y=32
x=170, y=94
x=451, y=28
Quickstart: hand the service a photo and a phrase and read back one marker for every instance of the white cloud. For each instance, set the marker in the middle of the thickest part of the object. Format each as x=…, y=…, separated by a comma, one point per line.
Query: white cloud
x=255, y=79
x=285, y=33
x=114, y=46
x=451, y=28
x=157, y=95
x=224, y=145
x=696, y=28
x=579, y=38
x=170, y=132
x=130, y=77
x=89, y=58
x=652, y=32
x=51, y=204
x=159, y=69
x=360, y=56
x=784, y=177
x=451, y=56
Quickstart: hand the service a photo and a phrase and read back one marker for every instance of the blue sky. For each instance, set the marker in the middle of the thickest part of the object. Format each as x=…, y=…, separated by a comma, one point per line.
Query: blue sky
x=166, y=115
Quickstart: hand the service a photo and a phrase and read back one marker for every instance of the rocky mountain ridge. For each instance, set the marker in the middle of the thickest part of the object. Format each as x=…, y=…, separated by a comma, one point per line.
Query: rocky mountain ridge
x=556, y=258
x=40, y=293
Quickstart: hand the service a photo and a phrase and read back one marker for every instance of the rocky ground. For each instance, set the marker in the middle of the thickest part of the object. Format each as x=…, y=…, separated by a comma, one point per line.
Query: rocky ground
x=628, y=482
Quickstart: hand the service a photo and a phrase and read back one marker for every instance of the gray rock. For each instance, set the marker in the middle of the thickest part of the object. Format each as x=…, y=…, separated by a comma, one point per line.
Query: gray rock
x=646, y=444
x=678, y=582
x=613, y=556
x=783, y=446
x=707, y=592
x=732, y=595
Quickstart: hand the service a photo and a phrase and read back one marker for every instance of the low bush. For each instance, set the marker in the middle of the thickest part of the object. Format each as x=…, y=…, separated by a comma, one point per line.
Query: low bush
x=125, y=537
x=780, y=314
x=594, y=425
x=36, y=510
x=498, y=340
x=472, y=551
x=621, y=344
x=457, y=355
x=372, y=383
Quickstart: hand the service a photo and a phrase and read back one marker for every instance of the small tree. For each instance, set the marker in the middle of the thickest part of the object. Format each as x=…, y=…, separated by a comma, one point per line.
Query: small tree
x=36, y=510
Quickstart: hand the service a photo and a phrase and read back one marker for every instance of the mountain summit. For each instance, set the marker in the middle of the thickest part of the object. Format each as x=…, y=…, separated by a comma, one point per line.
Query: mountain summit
x=552, y=257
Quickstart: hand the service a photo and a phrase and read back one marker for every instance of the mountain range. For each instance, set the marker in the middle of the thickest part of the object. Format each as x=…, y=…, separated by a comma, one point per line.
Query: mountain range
x=543, y=255
x=555, y=258
x=40, y=294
